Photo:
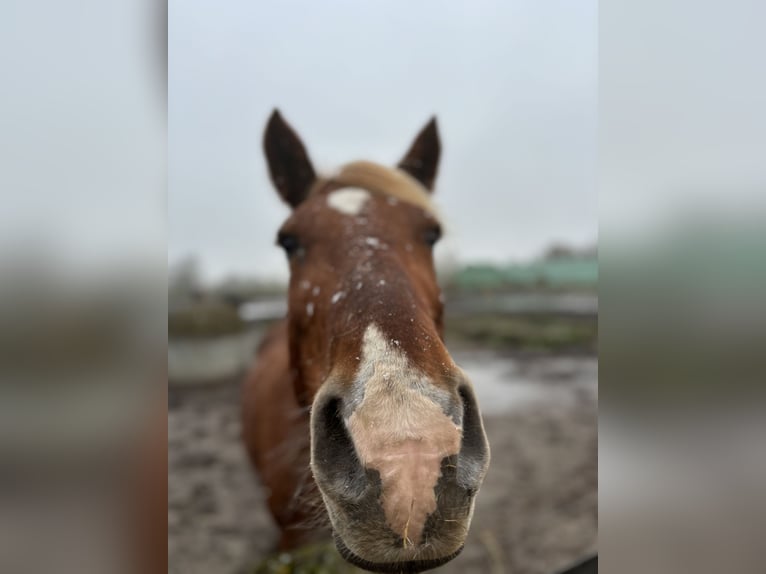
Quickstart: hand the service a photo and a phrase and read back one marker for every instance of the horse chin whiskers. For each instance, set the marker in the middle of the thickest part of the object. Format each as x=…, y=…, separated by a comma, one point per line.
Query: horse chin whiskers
x=316, y=519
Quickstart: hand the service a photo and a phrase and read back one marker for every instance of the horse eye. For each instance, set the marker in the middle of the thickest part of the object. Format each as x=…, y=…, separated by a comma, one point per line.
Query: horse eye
x=289, y=243
x=432, y=235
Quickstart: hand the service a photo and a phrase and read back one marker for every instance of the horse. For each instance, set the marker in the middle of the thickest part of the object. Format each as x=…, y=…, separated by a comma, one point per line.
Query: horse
x=353, y=400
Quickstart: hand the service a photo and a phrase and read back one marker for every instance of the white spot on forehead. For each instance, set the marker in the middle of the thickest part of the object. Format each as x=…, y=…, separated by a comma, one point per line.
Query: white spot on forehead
x=349, y=201
x=310, y=309
x=315, y=291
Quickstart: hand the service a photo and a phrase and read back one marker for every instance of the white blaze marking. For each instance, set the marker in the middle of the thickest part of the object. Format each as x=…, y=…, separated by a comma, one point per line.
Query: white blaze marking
x=349, y=201
x=399, y=430
x=310, y=309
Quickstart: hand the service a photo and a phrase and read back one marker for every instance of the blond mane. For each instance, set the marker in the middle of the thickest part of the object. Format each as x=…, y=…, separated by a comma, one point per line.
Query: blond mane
x=380, y=179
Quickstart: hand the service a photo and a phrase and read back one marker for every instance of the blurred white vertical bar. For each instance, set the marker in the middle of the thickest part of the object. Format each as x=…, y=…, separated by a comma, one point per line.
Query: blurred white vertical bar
x=682, y=121
x=82, y=278
x=682, y=161
x=82, y=129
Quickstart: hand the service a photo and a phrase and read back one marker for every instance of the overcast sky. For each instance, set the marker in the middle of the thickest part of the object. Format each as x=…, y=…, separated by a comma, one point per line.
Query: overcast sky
x=513, y=84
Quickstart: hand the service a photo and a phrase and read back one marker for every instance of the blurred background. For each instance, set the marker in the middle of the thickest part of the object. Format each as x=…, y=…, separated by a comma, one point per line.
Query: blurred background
x=82, y=286
x=514, y=88
x=682, y=214
x=658, y=105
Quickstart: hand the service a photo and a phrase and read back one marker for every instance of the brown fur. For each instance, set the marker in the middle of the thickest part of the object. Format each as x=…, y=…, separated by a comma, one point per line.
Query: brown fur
x=275, y=431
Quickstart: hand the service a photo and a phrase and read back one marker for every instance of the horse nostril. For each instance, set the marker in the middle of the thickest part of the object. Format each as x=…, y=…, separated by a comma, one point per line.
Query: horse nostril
x=334, y=458
x=474, y=451
x=331, y=421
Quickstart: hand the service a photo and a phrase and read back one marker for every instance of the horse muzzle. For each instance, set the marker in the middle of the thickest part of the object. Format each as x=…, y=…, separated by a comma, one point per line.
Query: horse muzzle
x=399, y=475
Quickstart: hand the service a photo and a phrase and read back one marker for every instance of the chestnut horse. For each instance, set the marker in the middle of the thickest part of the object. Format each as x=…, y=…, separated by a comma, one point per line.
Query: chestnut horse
x=355, y=392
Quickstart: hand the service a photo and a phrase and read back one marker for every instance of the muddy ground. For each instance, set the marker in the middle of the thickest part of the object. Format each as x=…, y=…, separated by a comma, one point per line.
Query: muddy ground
x=536, y=512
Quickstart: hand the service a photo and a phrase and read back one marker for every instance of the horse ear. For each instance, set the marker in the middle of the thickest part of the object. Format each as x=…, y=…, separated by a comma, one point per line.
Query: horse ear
x=422, y=159
x=289, y=165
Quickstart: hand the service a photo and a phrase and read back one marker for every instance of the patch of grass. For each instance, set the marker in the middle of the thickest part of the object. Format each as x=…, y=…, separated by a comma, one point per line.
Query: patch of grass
x=525, y=332
x=204, y=319
x=314, y=559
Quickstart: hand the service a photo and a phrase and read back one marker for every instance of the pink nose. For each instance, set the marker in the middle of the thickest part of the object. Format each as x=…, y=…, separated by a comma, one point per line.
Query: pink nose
x=407, y=450
x=399, y=476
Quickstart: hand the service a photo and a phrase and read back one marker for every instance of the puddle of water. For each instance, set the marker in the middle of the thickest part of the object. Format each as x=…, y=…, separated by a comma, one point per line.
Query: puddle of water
x=503, y=384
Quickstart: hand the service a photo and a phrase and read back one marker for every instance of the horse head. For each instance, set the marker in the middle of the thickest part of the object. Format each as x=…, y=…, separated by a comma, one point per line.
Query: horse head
x=398, y=449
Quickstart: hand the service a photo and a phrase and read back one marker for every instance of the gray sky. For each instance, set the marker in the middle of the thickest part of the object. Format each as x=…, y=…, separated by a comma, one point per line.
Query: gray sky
x=514, y=86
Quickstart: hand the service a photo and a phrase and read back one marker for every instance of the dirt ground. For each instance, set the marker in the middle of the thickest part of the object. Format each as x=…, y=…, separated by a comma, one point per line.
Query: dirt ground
x=535, y=514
